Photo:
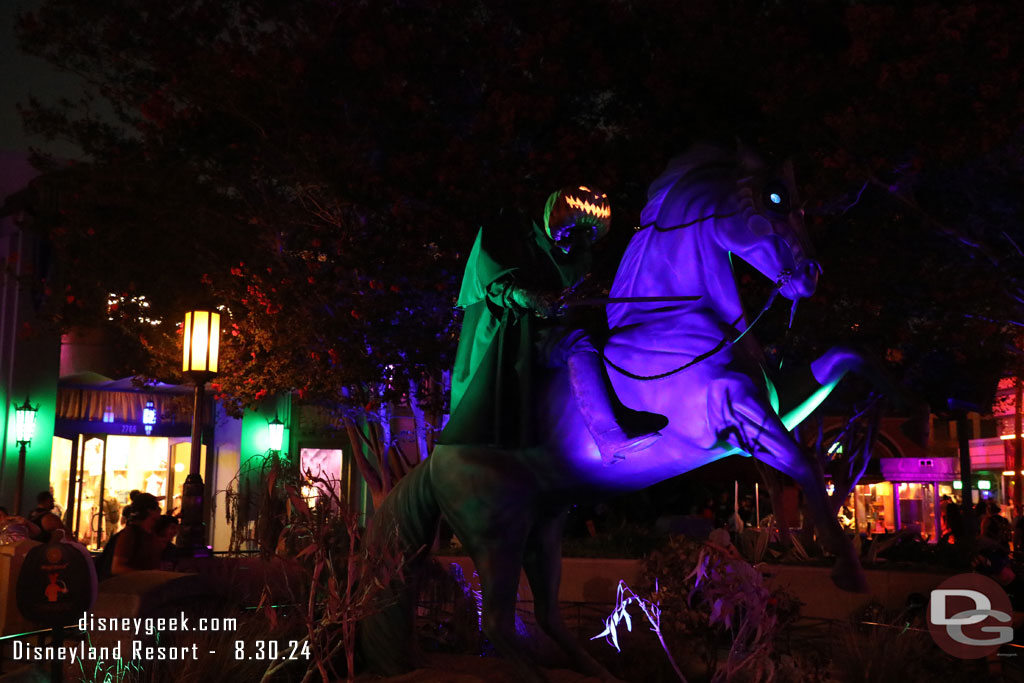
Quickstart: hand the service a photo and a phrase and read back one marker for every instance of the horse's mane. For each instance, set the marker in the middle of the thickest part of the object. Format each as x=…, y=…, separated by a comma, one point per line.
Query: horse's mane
x=704, y=167
x=696, y=186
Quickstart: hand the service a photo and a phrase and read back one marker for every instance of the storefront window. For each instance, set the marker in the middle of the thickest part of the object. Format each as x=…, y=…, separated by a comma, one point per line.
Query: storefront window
x=181, y=461
x=86, y=509
x=874, y=508
x=951, y=491
x=135, y=463
x=917, y=507
x=110, y=467
x=322, y=464
x=60, y=475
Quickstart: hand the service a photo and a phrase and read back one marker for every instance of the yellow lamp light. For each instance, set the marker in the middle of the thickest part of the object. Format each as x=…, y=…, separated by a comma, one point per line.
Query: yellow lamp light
x=200, y=341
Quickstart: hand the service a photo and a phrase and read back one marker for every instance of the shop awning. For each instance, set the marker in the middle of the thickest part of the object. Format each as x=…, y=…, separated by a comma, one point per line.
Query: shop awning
x=88, y=400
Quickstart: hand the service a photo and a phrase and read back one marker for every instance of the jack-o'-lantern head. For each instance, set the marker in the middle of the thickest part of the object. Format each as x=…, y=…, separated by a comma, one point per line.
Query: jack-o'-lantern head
x=576, y=212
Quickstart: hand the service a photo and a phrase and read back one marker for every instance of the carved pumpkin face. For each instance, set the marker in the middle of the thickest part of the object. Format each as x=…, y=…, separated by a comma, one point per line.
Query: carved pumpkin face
x=573, y=211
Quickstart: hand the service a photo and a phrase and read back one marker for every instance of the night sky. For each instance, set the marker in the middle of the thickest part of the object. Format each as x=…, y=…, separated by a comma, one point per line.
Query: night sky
x=515, y=102
x=22, y=76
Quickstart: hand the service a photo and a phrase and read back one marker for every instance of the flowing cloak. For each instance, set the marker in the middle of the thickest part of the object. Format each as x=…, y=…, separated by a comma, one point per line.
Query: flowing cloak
x=493, y=382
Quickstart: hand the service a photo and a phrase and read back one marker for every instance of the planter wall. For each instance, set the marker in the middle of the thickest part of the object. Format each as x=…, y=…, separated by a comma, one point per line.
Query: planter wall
x=594, y=581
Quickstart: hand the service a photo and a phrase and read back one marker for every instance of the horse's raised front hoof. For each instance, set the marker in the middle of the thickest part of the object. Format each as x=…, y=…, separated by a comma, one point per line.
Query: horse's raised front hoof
x=849, y=577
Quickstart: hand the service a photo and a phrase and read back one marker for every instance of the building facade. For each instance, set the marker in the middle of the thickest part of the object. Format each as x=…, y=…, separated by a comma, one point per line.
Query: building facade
x=98, y=437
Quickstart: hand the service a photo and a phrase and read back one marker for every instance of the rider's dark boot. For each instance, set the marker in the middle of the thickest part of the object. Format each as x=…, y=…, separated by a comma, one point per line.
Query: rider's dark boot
x=589, y=386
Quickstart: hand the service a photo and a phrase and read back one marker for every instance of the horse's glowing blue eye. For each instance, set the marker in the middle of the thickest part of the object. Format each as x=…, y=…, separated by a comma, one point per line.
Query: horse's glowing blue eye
x=775, y=198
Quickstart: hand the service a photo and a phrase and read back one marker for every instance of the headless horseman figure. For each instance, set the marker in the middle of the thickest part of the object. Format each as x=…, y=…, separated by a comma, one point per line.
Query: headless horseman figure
x=511, y=292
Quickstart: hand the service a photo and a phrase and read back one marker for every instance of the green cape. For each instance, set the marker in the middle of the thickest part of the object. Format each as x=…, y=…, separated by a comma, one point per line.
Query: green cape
x=493, y=382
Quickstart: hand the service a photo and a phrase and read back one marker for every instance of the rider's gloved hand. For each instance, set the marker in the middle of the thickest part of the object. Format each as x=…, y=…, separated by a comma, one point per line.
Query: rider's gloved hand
x=524, y=300
x=542, y=304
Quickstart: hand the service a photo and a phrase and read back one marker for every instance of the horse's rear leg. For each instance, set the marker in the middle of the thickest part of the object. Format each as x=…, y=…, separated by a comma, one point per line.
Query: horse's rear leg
x=543, y=565
x=498, y=565
x=847, y=573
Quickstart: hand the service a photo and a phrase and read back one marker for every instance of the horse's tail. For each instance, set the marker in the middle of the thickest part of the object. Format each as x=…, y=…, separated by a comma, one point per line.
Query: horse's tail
x=410, y=516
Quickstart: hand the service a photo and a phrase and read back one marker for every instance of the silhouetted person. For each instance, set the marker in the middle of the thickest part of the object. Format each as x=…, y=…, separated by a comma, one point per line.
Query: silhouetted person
x=996, y=527
x=44, y=518
x=746, y=512
x=954, y=523
x=166, y=530
x=723, y=510
x=135, y=547
x=1018, y=534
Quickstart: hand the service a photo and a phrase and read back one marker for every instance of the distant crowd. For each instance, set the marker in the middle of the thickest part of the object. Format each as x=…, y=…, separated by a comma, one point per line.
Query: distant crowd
x=145, y=539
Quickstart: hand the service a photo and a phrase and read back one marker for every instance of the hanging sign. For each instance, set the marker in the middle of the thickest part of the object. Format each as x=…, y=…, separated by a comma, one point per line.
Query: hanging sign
x=1009, y=455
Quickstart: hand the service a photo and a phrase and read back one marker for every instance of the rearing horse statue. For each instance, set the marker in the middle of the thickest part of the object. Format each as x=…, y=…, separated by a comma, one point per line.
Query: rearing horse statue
x=689, y=360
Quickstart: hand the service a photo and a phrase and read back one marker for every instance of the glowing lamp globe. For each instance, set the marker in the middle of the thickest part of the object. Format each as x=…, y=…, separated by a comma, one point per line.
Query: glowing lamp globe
x=200, y=341
x=275, y=430
x=24, y=422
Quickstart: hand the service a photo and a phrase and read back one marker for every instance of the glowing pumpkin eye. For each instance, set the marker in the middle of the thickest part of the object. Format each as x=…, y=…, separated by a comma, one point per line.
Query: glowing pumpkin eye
x=577, y=207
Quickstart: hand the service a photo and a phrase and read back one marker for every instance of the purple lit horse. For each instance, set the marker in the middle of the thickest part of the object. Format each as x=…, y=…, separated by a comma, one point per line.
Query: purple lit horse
x=690, y=361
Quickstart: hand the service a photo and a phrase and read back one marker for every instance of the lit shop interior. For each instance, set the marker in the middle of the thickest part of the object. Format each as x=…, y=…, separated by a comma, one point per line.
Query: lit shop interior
x=111, y=439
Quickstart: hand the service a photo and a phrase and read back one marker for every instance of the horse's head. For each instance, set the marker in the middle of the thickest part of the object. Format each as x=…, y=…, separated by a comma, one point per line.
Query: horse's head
x=741, y=205
x=768, y=230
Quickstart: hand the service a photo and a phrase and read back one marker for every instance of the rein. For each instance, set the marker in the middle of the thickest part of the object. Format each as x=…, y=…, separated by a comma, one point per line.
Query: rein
x=601, y=301
x=707, y=354
x=714, y=216
x=725, y=343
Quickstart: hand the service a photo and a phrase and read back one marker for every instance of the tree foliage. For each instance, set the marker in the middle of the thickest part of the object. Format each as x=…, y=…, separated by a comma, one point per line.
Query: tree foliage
x=319, y=168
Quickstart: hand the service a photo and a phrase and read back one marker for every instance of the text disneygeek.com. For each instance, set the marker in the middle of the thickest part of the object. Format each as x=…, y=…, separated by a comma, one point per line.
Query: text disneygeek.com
x=151, y=625
x=139, y=650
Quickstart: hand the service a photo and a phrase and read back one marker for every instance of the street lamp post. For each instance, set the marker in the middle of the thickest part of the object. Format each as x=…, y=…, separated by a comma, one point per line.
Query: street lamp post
x=201, y=344
x=24, y=430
